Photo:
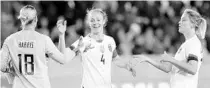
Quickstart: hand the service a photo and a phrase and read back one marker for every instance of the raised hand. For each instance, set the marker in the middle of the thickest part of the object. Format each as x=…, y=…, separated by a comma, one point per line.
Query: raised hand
x=61, y=25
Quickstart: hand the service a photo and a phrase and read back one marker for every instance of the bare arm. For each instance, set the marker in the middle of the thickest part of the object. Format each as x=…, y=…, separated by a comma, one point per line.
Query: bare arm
x=121, y=61
x=61, y=44
x=164, y=66
x=53, y=52
x=190, y=67
x=69, y=54
x=61, y=25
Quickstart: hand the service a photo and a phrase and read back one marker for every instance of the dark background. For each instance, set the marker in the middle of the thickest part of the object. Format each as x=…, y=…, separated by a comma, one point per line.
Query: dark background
x=149, y=27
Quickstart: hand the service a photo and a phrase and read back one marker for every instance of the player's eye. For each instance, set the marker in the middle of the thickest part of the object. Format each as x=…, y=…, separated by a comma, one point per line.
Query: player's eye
x=92, y=20
x=183, y=20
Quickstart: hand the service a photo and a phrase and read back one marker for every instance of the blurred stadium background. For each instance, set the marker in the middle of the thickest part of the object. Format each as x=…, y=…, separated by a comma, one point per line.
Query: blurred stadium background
x=148, y=27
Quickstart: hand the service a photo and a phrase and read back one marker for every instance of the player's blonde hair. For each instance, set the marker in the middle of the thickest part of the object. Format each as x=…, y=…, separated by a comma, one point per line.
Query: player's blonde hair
x=89, y=12
x=198, y=21
x=28, y=14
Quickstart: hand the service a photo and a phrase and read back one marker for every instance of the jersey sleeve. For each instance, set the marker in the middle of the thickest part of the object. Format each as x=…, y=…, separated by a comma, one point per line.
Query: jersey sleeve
x=113, y=44
x=114, y=50
x=5, y=58
x=193, y=52
x=52, y=51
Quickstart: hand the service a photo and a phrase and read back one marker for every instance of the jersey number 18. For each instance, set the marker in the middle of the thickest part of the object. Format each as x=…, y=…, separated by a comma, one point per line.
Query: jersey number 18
x=28, y=61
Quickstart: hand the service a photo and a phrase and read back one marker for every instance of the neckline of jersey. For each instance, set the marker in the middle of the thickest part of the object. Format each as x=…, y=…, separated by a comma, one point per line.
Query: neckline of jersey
x=98, y=41
x=190, y=39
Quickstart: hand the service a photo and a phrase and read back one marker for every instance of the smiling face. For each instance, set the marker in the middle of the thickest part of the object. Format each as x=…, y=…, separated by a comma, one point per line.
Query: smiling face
x=185, y=25
x=96, y=21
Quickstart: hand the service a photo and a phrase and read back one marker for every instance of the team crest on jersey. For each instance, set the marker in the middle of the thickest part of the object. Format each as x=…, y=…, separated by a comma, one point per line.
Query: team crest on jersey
x=110, y=47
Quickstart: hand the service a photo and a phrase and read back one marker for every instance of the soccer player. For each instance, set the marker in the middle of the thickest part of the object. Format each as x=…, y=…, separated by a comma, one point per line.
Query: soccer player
x=97, y=51
x=23, y=53
x=184, y=67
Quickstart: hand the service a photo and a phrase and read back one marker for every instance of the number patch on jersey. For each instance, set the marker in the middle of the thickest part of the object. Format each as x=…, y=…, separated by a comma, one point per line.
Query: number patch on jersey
x=103, y=59
x=27, y=63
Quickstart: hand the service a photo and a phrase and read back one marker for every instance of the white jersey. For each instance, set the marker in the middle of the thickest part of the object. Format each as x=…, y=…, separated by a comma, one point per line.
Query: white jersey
x=96, y=62
x=26, y=49
x=179, y=78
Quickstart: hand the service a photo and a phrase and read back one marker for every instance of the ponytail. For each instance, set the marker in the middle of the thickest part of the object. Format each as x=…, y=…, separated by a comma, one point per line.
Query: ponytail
x=201, y=32
x=28, y=14
x=202, y=28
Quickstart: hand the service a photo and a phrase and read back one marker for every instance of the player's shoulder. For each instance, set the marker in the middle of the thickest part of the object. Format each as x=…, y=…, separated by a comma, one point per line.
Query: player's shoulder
x=12, y=36
x=40, y=36
x=45, y=37
x=194, y=43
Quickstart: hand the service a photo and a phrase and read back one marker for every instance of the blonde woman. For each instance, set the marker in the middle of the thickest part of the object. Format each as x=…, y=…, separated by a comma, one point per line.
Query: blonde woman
x=23, y=53
x=184, y=66
x=97, y=51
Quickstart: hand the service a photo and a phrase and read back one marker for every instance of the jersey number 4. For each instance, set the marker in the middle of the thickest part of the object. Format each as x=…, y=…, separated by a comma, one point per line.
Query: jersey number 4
x=28, y=63
x=102, y=59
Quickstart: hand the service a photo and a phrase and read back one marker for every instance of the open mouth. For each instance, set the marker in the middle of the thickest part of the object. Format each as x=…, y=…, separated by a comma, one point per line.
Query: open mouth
x=96, y=25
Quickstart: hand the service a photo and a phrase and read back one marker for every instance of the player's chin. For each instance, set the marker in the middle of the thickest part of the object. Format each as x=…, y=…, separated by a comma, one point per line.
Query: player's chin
x=95, y=31
x=180, y=30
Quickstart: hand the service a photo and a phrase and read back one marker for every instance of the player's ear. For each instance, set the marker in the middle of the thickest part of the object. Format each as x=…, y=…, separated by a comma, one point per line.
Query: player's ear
x=104, y=22
x=35, y=19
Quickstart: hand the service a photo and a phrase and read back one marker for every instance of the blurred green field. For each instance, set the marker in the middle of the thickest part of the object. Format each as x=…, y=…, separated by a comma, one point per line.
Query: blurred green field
x=70, y=76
